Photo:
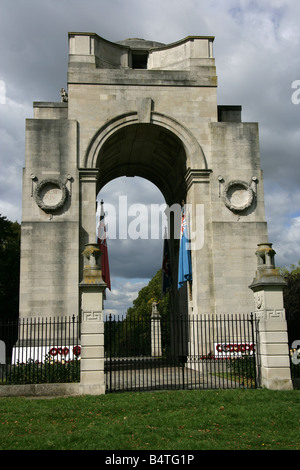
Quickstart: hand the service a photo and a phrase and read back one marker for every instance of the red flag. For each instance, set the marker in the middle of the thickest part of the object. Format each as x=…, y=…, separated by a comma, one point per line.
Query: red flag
x=102, y=240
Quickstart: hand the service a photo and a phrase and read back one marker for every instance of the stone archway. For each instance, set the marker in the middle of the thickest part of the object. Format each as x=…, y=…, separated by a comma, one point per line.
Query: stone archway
x=141, y=108
x=161, y=122
x=168, y=140
x=155, y=153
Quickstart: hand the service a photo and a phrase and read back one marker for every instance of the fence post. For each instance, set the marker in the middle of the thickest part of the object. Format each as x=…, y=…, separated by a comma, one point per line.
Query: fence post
x=92, y=377
x=271, y=326
x=155, y=332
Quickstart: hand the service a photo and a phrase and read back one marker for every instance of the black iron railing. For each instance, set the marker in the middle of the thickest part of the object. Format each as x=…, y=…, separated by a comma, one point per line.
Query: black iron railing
x=140, y=354
x=194, y=352
x=39, y=350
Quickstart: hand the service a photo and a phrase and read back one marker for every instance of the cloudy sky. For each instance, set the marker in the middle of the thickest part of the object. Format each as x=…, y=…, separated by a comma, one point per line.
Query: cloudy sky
x=257, y=51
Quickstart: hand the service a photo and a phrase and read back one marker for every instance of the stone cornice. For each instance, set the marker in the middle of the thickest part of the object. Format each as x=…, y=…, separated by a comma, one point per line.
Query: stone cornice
x=196, y=176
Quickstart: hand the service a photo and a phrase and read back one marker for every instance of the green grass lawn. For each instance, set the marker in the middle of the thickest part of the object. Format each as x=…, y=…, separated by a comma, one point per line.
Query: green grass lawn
x=175, y=420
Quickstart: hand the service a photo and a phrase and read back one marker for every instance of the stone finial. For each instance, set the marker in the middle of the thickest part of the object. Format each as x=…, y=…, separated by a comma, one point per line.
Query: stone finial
x=266, y=272
x=267, y=285
x=265, y=255
x=155, y=312
x=92, y=273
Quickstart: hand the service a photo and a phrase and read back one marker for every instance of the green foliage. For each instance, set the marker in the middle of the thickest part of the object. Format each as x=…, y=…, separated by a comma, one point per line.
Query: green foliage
x=291, y=297
x=128, y=337
x=175, y=420
x=47, y=372
x=10, y=234
x=142, y=305
x=132, y=336
x=243, y=367
x=292, y=290
x=292, y=271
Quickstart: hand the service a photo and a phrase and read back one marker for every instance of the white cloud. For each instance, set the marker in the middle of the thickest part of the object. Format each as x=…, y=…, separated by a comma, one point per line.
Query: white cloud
x=288, y=244
x=121, y=297
x=12, y=209
x=2, y=92
x=283, y=224
x=12, y=156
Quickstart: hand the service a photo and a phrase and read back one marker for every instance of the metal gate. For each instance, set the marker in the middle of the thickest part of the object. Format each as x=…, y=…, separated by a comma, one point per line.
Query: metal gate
x=198, y=352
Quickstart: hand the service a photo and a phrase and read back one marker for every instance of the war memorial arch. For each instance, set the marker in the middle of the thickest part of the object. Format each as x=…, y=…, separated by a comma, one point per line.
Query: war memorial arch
x=141, y=108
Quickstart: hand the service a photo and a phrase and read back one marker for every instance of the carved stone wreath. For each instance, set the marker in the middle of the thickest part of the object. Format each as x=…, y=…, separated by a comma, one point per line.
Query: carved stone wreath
x=50, y=194
x=238, y=195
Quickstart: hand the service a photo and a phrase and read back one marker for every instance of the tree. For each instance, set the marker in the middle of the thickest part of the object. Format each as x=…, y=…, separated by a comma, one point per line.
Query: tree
x=142, y=305
x=10, y=235
x=291, y=297
x=132, y=335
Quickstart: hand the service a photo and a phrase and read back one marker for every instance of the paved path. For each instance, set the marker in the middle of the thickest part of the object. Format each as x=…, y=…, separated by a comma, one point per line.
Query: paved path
x=160, y=378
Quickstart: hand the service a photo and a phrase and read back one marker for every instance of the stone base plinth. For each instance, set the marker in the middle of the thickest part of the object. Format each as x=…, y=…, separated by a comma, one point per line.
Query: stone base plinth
x=273, y=355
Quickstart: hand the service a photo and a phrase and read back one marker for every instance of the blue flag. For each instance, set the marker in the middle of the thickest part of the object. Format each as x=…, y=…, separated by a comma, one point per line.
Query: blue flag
x=185, y=263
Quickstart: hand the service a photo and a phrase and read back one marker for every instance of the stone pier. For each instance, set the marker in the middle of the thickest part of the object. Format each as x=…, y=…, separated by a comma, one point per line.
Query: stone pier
x=92, y=287
x=273, y=354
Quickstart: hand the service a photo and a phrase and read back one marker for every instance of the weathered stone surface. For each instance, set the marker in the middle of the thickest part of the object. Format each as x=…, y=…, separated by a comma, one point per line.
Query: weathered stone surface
x=142, y=108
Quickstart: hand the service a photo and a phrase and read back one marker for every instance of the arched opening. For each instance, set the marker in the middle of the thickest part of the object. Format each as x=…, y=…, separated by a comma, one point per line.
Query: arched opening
x=148, y=151
x=135, y=221
x=140, y=154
